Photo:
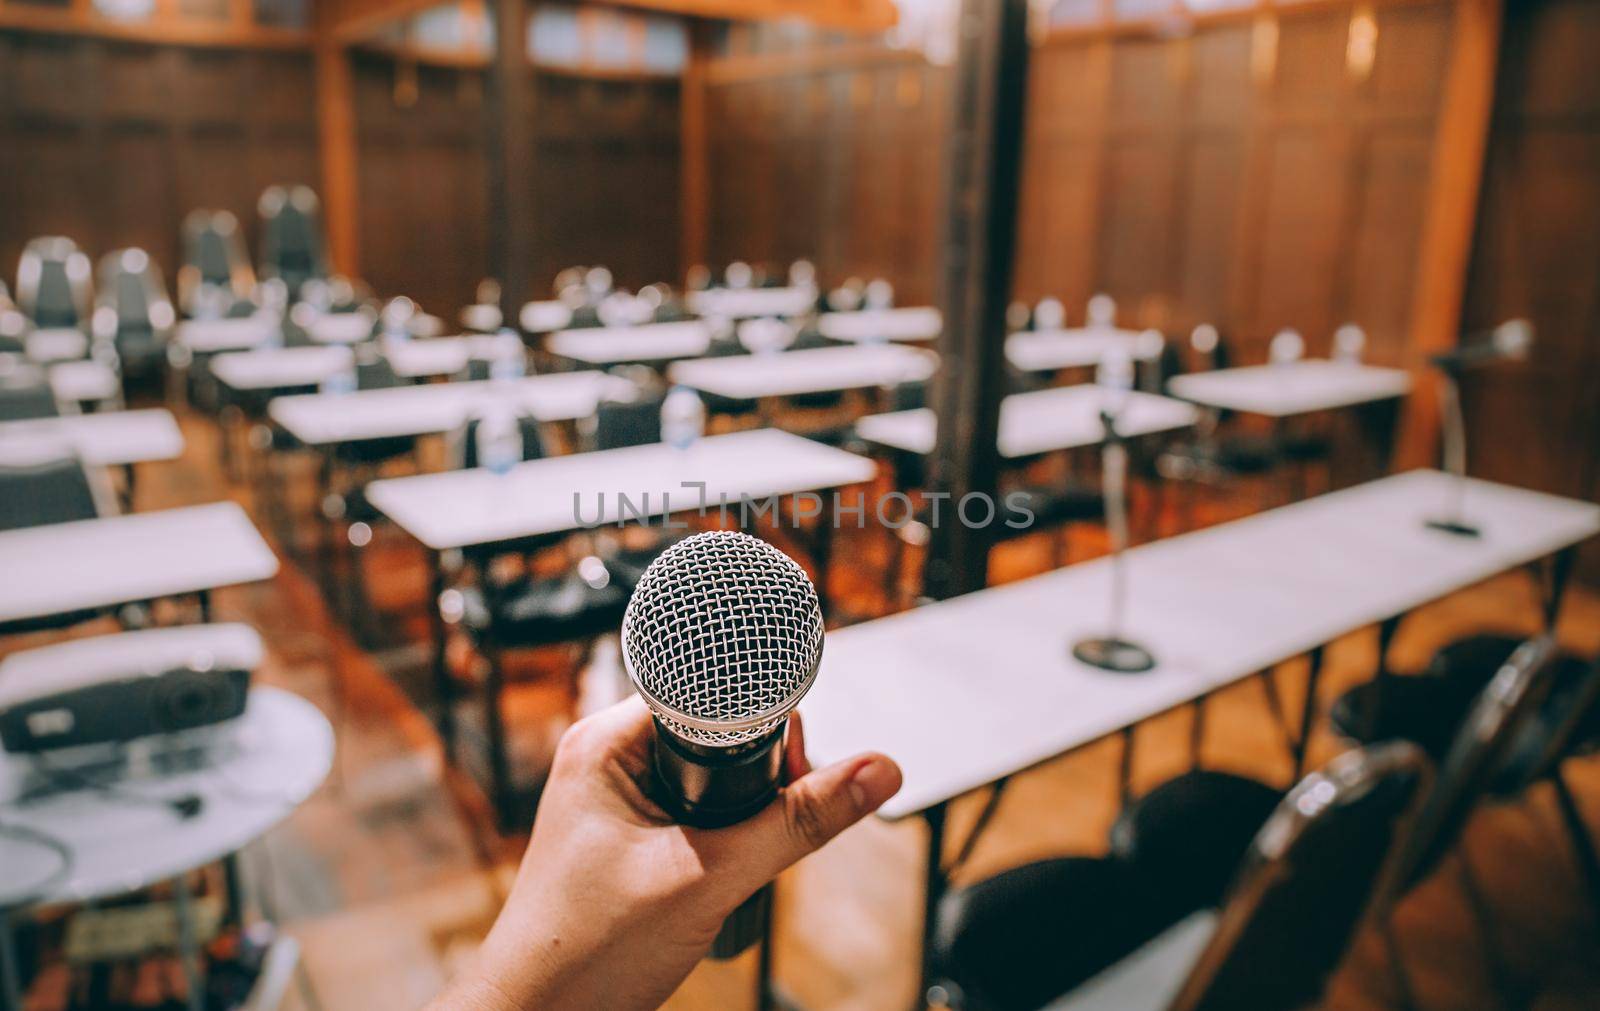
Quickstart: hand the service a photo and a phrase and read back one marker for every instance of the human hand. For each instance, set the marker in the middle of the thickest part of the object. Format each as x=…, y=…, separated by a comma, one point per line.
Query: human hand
x=614, y=903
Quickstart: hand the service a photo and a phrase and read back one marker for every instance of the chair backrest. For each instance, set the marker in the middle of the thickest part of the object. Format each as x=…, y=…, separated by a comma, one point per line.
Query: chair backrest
x=462, y=445
x=25, y=393
x=374, y=372
x=1501, y=713
x=621, y=423
x=131, y=287
x=53, y=284
x=1306, y=882
x=214, y=255
x=35, y=493
x=291, y=235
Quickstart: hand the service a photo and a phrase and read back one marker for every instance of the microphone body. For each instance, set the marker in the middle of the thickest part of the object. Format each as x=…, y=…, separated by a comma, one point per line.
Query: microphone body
x=1508, y=340
x=722, y=638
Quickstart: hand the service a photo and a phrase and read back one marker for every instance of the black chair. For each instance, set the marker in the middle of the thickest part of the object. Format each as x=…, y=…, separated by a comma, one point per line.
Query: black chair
x=53, y=284
x=216, y=279
x=25, y=393
x=41, y=489
x=1084, y=934
x=134, y=315
x=291, y=236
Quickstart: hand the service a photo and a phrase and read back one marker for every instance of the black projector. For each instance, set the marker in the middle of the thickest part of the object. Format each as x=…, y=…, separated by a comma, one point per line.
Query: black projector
x=123, y=709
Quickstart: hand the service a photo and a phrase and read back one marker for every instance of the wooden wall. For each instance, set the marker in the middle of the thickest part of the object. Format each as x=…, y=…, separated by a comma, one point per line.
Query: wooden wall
x=1215, y=176
x=112, y=142
x=1537, y=254
x=605, y=178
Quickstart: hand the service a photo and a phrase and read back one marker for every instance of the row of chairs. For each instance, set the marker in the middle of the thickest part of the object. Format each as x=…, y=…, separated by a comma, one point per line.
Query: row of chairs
x=1221, y=892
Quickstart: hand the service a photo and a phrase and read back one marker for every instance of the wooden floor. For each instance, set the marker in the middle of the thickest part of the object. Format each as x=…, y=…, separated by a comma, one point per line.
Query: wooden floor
x=391, y=873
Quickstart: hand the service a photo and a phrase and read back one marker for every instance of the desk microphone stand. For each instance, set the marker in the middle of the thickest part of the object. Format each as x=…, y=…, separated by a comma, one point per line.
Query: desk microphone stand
x=1454, y=430
x=1112, y=652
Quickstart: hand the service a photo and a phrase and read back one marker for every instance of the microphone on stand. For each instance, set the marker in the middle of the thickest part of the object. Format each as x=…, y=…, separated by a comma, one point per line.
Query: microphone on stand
x=722, y=638
x=1111, y=651
x=1508, y=341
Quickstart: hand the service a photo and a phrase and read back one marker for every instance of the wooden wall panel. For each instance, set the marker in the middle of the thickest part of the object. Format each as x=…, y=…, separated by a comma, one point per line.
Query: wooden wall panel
x=113, y=142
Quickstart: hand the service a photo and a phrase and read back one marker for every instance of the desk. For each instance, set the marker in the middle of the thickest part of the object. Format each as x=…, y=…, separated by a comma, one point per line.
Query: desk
x=748, y=303
x=341, y=327
x=104, y=439
x=616, y=345
x=321, y=419
x=210, y=336
x=1302, y=387
x=545, y=316
x=446, y=356
x=867, y=325
x=790, y=373
x=56, y=344
x=278, y=368
x=972, y=690
x=260, y=768
x=68, y=567
x=83, y=382
x=1078, y=348
x=1044, y=421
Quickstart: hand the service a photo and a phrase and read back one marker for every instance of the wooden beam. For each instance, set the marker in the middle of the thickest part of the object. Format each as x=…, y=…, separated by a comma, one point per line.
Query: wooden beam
x=1461, y=140
x=355, y=20
x=846, y=15
x=510, y=148
x=176, y=31
x=989, y=92
x=694, y=151
x=336, y=134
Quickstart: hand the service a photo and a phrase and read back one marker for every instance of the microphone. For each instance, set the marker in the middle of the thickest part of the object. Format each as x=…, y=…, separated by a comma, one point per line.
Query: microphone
x=1509, y=340
x=722, y=638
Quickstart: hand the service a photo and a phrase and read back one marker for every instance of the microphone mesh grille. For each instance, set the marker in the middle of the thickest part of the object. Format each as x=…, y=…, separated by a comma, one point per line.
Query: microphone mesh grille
x=722, y=628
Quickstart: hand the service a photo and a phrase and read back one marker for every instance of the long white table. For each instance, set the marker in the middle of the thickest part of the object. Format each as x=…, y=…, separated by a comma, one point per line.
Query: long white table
x=319, y=419
x=544, y=316
x=341, y=327
x=747, y=303
x=84, y=382
x=1301, y=387
x=243, y=333
x=67, y=567
x=56, y=344
x=1078, y=347
x=649, y=342
x=1042, y=421
x=789, y=373
x=444, y=356
x=279, y=368
x=467, y=508
x=104, y=439
x=866, y=325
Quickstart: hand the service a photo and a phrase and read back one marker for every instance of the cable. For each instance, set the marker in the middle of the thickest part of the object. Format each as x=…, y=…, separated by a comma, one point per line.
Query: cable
x=43, y=840
x=185, y=806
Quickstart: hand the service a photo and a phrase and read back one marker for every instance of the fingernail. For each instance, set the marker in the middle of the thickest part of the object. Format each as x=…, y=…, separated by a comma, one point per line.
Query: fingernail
x=874, y=782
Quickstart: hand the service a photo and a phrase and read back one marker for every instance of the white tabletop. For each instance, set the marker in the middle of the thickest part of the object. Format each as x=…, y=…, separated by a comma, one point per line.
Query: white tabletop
x=105, y=439
x=341, y=327
x=262, y=767
x=325, y=418
x=908, y=324
x=105, y=562
x=79, y=663
x=279, y=368
x=1311, y=384
x=85, y=381
x=787, y=373
x=470, y=507
x=545, y=316
x=650, y=342
x=1040, y=422
x=1078, y=347
x=236, y=334
x=744, y=303
x=443, y=356
x=56, y=344
x=963, y=692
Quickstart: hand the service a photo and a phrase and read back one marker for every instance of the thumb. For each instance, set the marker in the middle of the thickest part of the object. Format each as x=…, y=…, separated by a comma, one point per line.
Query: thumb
x=807, y=814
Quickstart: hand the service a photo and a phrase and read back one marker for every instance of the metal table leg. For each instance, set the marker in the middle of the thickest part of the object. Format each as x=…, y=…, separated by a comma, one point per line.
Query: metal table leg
x=1308, y=711
x=934, y=888
x=443, y=686
x=10, y=970
x=188, y=944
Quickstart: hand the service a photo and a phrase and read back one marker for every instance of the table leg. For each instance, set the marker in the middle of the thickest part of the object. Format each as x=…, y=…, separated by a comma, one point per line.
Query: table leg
x=1125, y=768
x=129, y=481
x=1308, y=711
x=822, y=556
x=933, y=891
x=188, y=944
x=1558, y=570
x=204, y=596
x=443, y=686
x=10, y=971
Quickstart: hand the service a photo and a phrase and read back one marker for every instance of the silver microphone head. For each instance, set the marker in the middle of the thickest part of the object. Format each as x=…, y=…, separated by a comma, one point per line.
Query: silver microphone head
x=722, y=638
x=1513, y=338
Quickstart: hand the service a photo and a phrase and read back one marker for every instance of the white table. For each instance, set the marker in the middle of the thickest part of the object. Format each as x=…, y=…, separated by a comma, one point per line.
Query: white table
x=544, y=316
x=83, y=382
x=1043, y=421
x=210, y=336
x=1301, y=387
x=1078, y=347
x=320, y=419
x=56, y=344
x=789, y=373
x=444, y=356
x=972, y=690
x=649, y=342
x=103, y=439
x=341, y=327
x=747, y=303
x=258, y=770
x=279, y=368
x=66, y=567
x=867, y=325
